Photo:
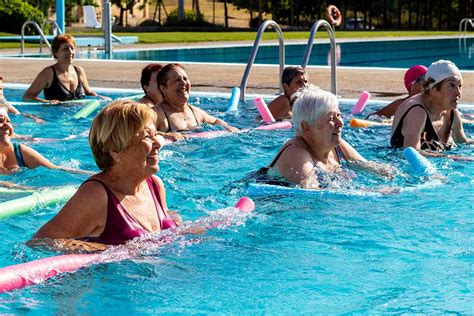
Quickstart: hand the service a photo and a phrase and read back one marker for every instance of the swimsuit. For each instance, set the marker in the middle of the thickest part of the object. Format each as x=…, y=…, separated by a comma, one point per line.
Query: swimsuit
x=18, y=155
x=263, y=176
x=169, y=122
x=429, y=138
x=57, y=91
x=120, y=226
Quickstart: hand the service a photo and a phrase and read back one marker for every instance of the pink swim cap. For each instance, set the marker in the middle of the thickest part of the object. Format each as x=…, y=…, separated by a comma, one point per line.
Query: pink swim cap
x=412, y=74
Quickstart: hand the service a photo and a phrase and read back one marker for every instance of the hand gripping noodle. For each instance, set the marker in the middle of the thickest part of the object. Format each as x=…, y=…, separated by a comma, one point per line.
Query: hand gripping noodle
x=263, y=110
x=420, y=164
x=34, y=272
x=234, y=99
x=359, y=106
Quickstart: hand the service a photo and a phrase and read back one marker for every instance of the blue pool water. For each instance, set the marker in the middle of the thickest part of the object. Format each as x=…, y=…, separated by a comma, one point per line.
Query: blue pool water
x=406, y=253
x=397, y=54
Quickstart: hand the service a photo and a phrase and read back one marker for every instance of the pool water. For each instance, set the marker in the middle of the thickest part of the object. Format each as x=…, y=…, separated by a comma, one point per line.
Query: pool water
x=386, y=53
x=410, y=252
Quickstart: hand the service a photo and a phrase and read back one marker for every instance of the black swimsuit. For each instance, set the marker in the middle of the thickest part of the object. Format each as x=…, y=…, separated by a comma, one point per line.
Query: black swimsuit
x=429, y=138
x=169, y=122
x=57, y=91
x=263, y=176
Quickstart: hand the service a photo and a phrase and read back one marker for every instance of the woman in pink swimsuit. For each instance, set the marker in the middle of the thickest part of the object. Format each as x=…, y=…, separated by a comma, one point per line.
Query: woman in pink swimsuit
x=126, y=199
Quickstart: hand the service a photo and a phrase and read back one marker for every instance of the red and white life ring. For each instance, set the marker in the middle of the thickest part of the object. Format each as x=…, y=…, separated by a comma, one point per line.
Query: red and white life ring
x=333, y=15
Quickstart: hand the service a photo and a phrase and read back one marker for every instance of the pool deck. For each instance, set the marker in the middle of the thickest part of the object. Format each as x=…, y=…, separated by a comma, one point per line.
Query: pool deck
x=384, y=84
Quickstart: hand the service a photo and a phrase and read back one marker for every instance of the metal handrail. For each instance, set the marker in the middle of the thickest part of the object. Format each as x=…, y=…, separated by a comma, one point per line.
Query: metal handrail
x=43, y=37
x=309, y=47
x=56, y=30
x=464, y=22
x=261, y=29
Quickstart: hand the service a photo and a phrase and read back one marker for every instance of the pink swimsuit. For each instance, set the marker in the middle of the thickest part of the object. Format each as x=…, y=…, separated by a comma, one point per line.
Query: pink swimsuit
x=120, y=226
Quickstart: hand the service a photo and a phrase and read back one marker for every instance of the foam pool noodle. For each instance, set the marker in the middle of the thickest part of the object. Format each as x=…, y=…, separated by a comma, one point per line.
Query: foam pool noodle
x=359, y=106
x=420, y=164
x=234, y=99
x=263, y=110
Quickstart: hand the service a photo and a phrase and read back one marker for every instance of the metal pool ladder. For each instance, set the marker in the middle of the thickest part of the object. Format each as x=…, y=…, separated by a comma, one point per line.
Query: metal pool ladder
x=42, y=36
x=309, y=47
x=464, y=22
x=261, y=29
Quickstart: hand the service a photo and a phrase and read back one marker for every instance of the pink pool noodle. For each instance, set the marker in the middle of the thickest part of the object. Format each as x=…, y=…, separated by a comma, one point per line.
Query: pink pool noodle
x=245, y=205
x=277, y=125
x=211, y=134
x=34, y=272
x=262, y=108
x=359, y=106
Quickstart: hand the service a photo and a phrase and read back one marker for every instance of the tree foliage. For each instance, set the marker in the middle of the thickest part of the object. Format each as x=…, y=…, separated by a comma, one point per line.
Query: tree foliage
x=13, y=13
x=382, y=14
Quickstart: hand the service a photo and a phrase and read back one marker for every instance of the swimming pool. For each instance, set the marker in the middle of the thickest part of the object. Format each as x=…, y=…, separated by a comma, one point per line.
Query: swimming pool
x=386, y=53
x=406, y=253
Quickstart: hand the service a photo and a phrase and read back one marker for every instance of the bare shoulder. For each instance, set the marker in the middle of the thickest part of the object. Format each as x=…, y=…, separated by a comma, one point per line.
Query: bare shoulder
x=80, y=70
x=91, y=191
x=158, y=180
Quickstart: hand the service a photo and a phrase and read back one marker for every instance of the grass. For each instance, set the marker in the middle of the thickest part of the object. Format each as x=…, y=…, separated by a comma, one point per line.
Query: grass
x=192, y=37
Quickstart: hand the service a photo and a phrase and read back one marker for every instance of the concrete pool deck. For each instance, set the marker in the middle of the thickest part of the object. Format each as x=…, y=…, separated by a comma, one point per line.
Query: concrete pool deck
x=384, y=84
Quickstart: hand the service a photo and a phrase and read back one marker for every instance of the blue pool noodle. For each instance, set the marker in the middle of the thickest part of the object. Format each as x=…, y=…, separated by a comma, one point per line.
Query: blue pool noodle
x=420, y=164
x=234, y=99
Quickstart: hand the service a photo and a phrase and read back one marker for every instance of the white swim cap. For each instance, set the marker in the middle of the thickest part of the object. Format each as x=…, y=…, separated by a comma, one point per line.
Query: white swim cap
x=440, y=70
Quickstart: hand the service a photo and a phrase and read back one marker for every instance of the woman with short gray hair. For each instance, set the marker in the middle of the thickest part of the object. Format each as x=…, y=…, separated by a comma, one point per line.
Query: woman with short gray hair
x=317, y=147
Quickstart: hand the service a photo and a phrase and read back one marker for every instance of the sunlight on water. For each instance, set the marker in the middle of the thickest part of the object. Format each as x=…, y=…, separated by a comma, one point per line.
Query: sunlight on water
x=407, y=252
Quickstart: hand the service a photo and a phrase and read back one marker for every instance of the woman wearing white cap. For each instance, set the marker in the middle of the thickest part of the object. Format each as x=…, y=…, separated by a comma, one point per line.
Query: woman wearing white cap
x=430, y=120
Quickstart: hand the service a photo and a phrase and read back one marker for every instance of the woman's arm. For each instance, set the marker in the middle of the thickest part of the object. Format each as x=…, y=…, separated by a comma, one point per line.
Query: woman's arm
x=34, y=159
x=205, y=117
x=356, y=160
x=84, y=215
x=413, y=126
x=43, y=80
x=458, y=130
x=87, y=88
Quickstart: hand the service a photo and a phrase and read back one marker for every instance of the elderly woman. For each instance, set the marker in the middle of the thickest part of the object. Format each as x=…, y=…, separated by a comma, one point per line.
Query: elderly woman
x=125, y=200
x=15, y=155
x=175, y=114
x=430, y=120
x=317, y=148
x=148, y=82
x=413, y=80
x=293, y=79
x=62, y=81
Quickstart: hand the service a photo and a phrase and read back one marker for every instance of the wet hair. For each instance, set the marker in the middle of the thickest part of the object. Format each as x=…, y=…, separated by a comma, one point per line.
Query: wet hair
x=289, y=73
x=114, y=127
x=147, y=72
x=61, y=39
x=162, y=77
x=311, y=104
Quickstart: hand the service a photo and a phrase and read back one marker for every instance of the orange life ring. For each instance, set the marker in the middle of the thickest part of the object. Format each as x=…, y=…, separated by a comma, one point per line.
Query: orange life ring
x=333, y=15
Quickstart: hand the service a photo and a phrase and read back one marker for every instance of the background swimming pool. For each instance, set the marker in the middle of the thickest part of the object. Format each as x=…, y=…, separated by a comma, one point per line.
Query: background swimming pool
x=410, y=252
x=397, y=54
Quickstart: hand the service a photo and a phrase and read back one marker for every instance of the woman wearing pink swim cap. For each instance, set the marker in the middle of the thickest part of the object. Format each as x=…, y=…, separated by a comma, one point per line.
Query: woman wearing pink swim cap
x=413, y=80
x=430, y=121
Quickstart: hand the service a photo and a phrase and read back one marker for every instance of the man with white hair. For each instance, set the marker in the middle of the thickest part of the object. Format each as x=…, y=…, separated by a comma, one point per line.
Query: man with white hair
x=430, y=120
